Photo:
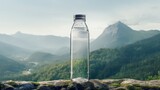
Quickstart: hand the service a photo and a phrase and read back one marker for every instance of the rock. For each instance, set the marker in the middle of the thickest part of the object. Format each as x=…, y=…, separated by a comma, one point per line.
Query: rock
x=1, y=86
x=121, y=88
x=28, y=86
x=111, y=81
x=75, y=86
x=132, y=82
x=8, y=87
x=12, y=83
x=95, y=84
x=153, y=83
x=41, y=87
x=62, y=83
x=88, y=85
x=63, y=89
x=56, y=84
x=36, y=84
x=98, y=85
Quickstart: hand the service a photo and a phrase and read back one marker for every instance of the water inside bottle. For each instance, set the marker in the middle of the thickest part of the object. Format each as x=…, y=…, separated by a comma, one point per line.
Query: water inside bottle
x=80, y=55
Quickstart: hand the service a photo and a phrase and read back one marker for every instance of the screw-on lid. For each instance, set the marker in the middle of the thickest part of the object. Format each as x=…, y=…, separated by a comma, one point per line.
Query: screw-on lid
x=80, y=16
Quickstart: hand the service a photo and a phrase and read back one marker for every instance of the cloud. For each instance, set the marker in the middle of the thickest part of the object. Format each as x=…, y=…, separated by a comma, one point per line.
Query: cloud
x=139, y=15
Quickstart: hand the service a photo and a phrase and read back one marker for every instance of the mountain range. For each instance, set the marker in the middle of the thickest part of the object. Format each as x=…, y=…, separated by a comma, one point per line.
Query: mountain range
x=112, y=49
x=20, y=46
x=119, y=34
x=19, y=43
x=46, y=43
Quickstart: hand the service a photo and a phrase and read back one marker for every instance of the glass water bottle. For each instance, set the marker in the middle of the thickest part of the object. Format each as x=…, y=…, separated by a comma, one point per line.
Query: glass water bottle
x=79, y=42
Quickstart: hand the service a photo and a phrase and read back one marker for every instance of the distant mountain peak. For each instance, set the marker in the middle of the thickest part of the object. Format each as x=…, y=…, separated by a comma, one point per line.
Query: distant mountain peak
x=18, y=32
x=118, y=27
x=120, y=24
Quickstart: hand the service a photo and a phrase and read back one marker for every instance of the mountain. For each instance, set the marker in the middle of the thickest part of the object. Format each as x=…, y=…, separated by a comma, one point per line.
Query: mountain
x=139, y=60
x=118, y=35
x=9, y=66
x=14, y=52
x=45, y=43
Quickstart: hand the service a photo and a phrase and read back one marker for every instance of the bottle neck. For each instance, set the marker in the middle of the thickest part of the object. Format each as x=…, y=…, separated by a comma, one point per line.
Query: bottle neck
x=79, y=23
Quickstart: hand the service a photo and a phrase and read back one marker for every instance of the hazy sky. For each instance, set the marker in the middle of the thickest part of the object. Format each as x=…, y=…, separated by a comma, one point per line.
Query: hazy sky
x=55, y=17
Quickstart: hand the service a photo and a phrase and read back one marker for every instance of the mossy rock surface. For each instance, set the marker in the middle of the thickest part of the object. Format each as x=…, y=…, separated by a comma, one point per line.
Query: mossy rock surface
x=95, y=84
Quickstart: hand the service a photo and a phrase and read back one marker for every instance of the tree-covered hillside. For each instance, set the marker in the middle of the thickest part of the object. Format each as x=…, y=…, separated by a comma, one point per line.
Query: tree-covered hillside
x=9, y=66
x=138, y=60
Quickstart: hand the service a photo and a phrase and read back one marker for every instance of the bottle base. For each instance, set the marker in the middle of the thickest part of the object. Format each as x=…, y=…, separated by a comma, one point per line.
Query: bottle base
x=79, y=80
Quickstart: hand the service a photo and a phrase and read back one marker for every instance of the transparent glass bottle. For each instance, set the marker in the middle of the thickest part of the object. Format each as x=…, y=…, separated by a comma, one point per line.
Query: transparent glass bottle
x=79, y=49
